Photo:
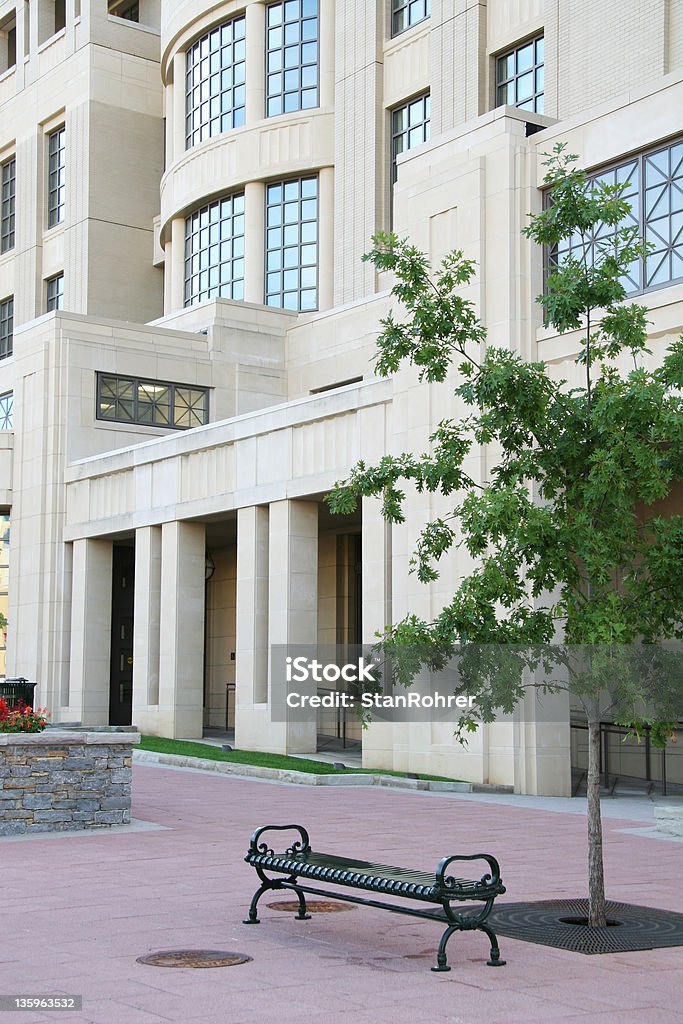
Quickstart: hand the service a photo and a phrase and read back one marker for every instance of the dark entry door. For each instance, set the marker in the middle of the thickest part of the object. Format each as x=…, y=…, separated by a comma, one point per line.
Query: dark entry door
x=121, y=673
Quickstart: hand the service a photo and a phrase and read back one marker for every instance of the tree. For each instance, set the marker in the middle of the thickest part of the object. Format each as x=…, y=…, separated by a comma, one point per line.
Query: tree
x=568, y=530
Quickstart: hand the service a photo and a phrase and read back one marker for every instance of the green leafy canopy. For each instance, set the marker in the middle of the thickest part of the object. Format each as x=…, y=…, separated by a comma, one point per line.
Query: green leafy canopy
x=568, y=531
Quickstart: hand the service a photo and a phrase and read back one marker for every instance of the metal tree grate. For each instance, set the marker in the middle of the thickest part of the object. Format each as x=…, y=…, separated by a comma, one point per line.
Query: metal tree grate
x=631, y=927
x=193, y=958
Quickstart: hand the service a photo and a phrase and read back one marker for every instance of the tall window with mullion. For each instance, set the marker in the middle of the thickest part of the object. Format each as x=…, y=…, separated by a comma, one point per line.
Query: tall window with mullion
x=55, y=292
x=8, y=186
x=406, y=13
x=56, y=177
x=215, y=90
x=292, y=244
x=151, y=402
x=214, y=251
x=409, y=128
x=292, y=38
x=6, y=327
x=653, y=186
x=520, y=76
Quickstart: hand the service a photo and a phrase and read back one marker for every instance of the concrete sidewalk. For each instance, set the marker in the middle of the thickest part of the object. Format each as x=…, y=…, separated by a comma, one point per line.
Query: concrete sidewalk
x=77, y=910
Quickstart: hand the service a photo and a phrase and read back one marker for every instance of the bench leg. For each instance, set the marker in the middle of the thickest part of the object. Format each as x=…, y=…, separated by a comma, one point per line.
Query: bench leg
x=495, y=960
x=441, y=958
x=252, y=918
x=303, y=914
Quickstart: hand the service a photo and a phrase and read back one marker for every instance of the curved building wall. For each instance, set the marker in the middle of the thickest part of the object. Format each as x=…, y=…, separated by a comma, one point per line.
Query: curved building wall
x=249, y=108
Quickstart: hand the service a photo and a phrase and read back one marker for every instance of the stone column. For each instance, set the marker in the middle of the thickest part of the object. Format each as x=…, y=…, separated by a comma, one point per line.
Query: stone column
x=326, y=30
x=175, y=264
x=326, y=238
x=252, y=605
x=89, y=678
x=175, y=109
x=256, y=61
x=379, y=741
x=293, y=594
x=376, y=569
x=181, y=630
x=146, y=623
x=254, y=245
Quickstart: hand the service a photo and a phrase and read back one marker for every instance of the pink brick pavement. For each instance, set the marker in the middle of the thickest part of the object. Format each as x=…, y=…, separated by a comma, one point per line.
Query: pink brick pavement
x=76, y=912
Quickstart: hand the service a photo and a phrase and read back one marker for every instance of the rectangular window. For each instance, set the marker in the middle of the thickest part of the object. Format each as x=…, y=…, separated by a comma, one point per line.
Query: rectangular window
x=7, y=411
x=406, y=13
x=291, y=56
x=11, y=47
x=654, y=188
x=409, y=128
x=292, y=244
x=214, y=251
x=151, y=402
x=520, y=76
x=8, y=176
x=215, y=90
x=55, y=292
x=56, y=177
x=60, y=15
x=6, y=327
x=127, y=11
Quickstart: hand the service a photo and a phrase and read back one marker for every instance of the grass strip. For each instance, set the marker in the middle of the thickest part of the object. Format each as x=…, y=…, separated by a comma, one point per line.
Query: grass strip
x=186, y=748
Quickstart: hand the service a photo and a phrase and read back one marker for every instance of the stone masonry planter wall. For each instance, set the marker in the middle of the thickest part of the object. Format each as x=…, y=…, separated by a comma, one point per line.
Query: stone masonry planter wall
x=64, y=781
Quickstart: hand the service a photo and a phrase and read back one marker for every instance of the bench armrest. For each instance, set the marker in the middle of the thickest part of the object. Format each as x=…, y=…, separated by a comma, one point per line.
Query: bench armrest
x=445, y=881
x=297, y=847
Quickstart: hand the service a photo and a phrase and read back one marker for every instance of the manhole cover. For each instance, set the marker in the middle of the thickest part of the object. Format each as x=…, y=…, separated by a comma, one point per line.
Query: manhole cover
x=312, y=906
x=560, y=923
x=193, y=958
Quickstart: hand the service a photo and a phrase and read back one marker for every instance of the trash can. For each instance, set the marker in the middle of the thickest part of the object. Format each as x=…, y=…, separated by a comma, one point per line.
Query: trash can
x=16, y=690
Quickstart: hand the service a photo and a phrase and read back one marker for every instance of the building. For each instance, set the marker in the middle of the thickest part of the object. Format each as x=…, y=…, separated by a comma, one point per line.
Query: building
x=187, y=329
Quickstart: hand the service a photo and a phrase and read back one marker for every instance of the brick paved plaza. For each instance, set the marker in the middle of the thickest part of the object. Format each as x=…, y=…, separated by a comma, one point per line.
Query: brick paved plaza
x=78, y=910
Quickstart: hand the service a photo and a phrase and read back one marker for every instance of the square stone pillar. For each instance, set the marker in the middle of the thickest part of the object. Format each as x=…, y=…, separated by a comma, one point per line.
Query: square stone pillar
x=146, y=625
x=379, y=740
x=251, y=678
x=277, y=603
x=293, y=595
x=89, y=678
x=181, y=630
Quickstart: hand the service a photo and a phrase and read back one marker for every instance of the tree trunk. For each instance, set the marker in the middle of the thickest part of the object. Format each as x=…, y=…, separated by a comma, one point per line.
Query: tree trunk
x=596, y=875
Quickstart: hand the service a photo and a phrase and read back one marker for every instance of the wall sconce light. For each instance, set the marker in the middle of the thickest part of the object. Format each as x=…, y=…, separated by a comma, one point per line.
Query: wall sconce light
x=209, y=566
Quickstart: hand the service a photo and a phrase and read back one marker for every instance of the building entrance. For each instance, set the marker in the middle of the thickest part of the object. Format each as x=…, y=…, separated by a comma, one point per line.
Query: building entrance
x=121, y=672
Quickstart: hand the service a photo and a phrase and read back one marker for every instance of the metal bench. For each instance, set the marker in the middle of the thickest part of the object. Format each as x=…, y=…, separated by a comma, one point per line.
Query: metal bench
x=302, y=866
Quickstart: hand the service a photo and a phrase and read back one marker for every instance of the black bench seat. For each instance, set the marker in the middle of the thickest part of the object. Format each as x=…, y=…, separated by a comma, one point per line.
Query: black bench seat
x=303, y=866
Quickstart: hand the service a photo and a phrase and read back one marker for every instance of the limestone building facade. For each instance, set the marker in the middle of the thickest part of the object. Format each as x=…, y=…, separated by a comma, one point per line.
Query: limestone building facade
x=187, y=329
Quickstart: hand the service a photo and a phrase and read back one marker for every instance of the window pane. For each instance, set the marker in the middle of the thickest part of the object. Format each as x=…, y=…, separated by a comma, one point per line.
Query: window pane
x=7, y=177
x=156, y=403
x=520, y=77
x=654, y=189
x=6, y=327
x=295, y=204
x=220, y=79
x=211, y=270
x=406, y=13
x=410, y=128
x=56, y=177
x=6, y=419
x=292, y=46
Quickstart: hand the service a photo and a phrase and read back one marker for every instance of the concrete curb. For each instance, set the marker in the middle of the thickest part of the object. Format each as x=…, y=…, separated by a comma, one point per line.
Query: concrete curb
x=250, y=771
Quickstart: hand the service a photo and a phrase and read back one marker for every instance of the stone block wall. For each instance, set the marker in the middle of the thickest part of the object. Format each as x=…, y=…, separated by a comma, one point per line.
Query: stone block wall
x=64, y=781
